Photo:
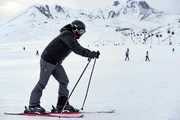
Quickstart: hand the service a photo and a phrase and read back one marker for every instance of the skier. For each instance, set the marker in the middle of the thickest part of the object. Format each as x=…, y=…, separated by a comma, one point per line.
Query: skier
x=51, y=64
x=37, y=52
x=147, y=56
x=173, y=50
x=127, y=54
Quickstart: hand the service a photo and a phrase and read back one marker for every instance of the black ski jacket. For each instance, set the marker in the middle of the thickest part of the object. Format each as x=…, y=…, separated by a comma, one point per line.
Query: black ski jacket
x=61, y=46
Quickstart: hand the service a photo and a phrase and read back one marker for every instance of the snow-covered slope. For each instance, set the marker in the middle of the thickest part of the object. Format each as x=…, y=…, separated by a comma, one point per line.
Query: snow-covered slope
x=136, y=89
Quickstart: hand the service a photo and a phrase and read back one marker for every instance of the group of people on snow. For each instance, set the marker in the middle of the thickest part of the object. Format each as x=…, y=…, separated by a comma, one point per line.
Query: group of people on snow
x=127, y=55
x=51, y=64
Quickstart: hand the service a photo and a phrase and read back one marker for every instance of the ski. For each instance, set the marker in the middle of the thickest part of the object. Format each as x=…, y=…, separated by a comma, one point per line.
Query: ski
x=60, y=114
x=108, y=111
x=56, y=111
x=81, y=112
x=45, y=115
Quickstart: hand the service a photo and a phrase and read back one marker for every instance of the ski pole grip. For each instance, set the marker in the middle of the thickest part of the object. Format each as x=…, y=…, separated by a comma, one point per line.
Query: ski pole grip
x=89, y=59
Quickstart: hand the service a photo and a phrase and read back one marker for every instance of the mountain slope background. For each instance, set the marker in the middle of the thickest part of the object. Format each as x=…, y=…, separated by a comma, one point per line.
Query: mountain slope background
x=136, y=89
x=131, y=21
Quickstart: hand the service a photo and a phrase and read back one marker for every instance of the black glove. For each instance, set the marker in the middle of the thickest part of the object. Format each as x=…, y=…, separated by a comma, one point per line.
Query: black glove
x=94, y=54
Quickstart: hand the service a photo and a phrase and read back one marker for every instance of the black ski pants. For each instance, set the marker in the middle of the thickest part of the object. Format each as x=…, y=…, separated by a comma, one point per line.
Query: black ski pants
x=46, y=70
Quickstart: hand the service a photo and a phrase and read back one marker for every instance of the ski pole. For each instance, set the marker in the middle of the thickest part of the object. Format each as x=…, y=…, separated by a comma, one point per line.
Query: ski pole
x=89, y=60
x=89, y=84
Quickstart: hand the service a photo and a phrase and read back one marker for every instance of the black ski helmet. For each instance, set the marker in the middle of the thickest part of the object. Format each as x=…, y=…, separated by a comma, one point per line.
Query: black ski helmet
x=77, y=24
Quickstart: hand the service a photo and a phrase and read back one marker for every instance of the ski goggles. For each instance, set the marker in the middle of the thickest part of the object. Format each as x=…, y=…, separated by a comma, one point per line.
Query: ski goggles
x=81, y=31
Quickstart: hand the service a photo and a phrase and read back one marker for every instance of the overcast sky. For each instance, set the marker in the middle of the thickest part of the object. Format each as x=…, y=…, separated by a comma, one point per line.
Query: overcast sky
x=8, y=8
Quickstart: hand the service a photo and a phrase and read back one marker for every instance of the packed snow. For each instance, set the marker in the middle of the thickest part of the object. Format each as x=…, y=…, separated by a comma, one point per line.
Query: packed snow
x=135, y=89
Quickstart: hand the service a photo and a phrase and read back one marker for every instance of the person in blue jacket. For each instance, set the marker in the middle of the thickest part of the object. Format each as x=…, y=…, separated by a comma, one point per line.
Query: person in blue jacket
x=127, y=54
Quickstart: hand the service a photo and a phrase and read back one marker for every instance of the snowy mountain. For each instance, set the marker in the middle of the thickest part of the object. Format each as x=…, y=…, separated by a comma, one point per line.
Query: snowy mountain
x=135, y=89
x=141, y=9
x=42, y=22
x=138, y=9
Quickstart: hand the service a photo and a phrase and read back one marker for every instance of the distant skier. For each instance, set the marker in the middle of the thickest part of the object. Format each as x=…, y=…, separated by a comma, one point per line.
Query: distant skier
x=147, y=56
x=173, y=50
x=127, y=54
x=37, y=52
x=51, y=64
x=24, y=48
